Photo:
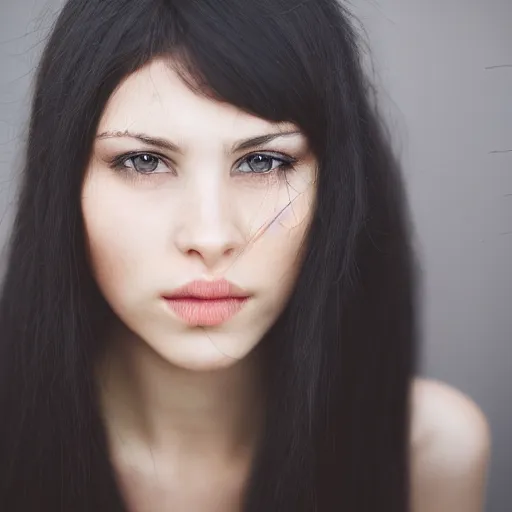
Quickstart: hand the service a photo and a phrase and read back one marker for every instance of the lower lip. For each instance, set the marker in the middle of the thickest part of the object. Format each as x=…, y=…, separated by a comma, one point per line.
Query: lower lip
x=206, y=312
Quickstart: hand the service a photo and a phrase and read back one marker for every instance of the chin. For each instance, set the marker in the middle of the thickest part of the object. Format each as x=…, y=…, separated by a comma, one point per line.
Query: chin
x=204, y=364
x=204, y=352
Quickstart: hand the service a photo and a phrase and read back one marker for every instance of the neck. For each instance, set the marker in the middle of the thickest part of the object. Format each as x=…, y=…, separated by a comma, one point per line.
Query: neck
x=149, y=402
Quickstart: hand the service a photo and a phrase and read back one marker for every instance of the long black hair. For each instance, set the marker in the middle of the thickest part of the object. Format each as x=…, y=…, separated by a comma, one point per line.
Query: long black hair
x=342, y=354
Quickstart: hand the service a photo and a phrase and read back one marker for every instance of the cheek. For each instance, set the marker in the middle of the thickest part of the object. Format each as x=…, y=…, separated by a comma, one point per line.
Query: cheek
x=116, y=250
x=279, y=211
x=282, y=243
x=109, y=260
x=290, y=223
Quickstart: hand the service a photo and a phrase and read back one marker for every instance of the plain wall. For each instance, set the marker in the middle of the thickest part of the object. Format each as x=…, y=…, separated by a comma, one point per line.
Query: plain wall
x=445, y=74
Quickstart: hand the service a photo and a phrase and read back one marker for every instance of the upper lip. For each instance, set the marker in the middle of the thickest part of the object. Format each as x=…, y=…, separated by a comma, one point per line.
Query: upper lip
x=201, y=289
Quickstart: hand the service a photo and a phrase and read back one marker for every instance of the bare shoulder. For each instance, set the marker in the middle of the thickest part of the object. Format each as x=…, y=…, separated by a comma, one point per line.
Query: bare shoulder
x=443, y=414
x=450, y=445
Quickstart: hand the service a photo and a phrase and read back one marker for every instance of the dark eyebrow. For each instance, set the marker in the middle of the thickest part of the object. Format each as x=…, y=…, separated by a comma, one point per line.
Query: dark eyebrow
x=255, y=142
x=167, y=145
x=146, y=139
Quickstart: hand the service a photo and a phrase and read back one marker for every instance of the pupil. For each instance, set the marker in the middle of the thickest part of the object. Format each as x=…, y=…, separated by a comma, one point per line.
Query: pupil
x=260, y=163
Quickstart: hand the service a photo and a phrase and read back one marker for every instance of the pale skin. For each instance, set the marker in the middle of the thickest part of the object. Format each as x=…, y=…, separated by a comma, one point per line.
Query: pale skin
x=182, y=404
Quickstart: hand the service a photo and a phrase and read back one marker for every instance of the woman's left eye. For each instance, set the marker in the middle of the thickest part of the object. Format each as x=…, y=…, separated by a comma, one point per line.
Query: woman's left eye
x=261, y=163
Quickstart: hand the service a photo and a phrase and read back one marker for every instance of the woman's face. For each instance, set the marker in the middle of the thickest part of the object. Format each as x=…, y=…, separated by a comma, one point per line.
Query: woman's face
x=181, y=188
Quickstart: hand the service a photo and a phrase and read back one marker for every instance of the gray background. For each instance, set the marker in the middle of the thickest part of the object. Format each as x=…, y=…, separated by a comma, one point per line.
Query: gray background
x=444, y=70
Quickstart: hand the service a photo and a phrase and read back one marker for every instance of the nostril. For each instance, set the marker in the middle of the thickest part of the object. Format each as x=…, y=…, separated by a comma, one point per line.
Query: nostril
x=211, y=253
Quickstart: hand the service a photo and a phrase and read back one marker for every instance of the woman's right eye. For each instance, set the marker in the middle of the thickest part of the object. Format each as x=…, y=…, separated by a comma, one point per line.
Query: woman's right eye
x=143, y=163
x=140, y=163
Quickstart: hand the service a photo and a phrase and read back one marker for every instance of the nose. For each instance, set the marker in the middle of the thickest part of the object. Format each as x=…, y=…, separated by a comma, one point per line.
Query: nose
x=208, y=228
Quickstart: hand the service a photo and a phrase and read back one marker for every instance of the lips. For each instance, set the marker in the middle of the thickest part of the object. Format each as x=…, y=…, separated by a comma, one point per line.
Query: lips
x=207, y=303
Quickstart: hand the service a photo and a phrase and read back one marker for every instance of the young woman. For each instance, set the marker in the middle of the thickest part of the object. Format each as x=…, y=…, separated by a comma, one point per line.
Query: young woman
x=209, y=304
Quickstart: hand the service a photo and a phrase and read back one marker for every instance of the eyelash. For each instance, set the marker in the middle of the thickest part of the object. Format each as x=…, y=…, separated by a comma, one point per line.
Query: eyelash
x=286, y=163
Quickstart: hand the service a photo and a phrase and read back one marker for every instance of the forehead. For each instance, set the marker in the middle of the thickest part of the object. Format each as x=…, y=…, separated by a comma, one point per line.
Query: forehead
x=155, y=100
